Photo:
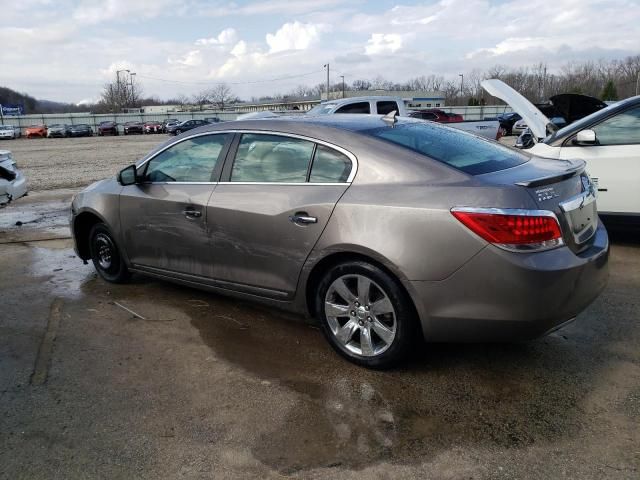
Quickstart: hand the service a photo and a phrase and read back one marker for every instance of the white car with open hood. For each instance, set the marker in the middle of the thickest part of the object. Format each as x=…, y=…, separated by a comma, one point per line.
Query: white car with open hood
x=608, y=140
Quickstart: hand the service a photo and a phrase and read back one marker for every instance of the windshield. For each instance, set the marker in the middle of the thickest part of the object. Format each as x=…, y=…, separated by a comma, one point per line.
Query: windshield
x=580, y=124
x=323, y=109
x=5, y=127
x=460, y=150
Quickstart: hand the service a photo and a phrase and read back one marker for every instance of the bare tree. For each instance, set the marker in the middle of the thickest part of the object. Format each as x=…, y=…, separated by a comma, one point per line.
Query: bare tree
x=122, y=92
x=220, y=95
x=201, y=99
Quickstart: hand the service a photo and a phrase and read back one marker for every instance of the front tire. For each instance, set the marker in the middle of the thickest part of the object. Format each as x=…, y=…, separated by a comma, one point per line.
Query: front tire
x=366, y=315
x=105, y=255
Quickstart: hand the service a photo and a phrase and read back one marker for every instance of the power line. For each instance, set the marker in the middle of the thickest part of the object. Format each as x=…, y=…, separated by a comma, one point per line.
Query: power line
x=250, y=82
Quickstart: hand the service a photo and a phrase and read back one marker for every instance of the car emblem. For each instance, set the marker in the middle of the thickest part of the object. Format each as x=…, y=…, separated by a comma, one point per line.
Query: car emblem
x=546, y=194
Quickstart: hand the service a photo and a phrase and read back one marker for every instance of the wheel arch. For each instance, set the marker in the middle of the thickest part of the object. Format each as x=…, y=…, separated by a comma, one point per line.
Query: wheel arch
x=82, y=224
x=326, y=262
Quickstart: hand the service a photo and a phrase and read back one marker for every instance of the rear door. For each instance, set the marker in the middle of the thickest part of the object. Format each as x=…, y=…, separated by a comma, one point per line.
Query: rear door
x=278, y=194
x=614, y=162
x=163, y=218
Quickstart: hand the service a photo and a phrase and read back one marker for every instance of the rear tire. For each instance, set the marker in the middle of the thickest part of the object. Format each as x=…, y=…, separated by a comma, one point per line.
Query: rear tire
x=105, y=255
x=366, y=315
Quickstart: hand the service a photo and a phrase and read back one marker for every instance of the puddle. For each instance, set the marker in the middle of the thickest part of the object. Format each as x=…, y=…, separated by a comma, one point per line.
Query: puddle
x=55, y=263
x=508, y=396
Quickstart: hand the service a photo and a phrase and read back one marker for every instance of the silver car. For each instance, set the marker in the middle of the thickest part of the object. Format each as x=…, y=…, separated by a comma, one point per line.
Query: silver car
x=384, y=230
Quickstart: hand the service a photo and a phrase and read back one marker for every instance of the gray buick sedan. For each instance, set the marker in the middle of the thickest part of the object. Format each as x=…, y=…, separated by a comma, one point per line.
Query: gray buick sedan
x=386, y=230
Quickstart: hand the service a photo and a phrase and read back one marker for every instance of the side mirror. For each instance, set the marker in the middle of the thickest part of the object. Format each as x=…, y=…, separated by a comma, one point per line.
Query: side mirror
x=128, y=176
x=585, y=137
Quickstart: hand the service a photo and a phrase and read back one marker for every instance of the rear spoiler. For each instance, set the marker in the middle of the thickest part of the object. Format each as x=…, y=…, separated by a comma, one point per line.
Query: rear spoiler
x=576, y=169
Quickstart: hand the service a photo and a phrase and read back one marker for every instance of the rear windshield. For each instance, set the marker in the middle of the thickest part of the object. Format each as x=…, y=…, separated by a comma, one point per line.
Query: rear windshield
x=466, y=152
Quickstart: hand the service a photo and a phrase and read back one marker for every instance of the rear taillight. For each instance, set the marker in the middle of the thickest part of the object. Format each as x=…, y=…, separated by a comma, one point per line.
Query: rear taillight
x=513, y=229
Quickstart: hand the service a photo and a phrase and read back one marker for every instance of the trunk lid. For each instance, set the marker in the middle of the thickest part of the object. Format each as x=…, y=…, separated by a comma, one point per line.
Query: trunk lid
x=535, y=119
x=560, y=186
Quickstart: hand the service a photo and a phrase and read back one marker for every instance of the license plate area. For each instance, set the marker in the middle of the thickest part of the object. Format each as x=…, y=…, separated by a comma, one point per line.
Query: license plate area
x=581, y=215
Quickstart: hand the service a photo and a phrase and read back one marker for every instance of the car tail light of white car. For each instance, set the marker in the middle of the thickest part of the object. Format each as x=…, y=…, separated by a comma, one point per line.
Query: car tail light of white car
x=515, y=230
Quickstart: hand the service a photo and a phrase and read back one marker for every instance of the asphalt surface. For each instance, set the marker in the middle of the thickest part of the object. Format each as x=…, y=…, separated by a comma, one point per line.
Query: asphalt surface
x=154, y=380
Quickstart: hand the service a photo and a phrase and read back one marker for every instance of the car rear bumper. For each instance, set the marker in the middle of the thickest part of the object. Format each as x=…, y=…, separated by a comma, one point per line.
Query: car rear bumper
x=504, y=296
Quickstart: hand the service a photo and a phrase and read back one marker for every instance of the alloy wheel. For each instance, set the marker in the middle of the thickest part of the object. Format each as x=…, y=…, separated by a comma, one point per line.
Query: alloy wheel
x=360, y=315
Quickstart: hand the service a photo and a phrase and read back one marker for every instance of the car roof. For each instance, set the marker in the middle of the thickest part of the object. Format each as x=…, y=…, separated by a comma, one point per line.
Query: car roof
x=308, y=123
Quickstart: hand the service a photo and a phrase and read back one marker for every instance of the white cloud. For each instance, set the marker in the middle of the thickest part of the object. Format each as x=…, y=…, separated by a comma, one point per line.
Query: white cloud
x=192, y=58
x=225, y=37
x=383, y=43
x=510, y=45
x=239, y=49
x=92, y=11
x=295, y=36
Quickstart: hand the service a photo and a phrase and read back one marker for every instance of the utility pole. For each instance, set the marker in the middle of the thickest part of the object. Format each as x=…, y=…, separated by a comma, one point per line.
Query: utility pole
x=120, y=98
x=342, y=76
x=131, y=74
x=638, y=84
x=461, y=75
x=327, y=67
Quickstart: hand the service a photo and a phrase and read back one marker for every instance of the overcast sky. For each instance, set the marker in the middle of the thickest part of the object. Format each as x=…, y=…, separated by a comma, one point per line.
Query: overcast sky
x=66, y=50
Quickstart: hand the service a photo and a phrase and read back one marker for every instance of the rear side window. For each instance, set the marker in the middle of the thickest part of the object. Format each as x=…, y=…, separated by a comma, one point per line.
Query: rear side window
x=271, y=158
x=387, y=107
x=460, y=150
x=329, y=166
x=359, y=107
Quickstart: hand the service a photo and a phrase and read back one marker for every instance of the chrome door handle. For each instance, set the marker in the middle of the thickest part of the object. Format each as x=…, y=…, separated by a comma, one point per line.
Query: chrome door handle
x=302, y=219
x=191, y=213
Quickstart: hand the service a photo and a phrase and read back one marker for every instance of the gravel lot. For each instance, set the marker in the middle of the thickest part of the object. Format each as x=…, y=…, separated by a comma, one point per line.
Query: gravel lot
x=52, y=163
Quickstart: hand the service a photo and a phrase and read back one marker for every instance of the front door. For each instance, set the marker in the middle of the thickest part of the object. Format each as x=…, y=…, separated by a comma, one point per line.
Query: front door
x=269, y=213
x=164, y=217
x=614, y=162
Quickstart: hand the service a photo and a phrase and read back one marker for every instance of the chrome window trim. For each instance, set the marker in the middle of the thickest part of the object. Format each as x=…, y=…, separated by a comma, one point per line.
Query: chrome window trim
x=347, y=153
x=179, y=183
x=293, y=184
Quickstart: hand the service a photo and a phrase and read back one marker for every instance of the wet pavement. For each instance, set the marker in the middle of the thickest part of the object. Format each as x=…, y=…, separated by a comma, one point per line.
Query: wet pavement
x=155, y=380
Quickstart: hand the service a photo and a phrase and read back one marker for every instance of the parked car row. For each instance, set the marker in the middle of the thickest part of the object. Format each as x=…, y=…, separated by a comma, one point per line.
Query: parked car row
x=62, y=130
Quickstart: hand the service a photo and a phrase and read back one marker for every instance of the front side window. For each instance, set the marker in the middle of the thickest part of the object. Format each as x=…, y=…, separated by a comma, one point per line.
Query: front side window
x=329, y=166
x=359, y=107
x=191, y=160
x=387, y=107
x=621, y=129
x=272, y=159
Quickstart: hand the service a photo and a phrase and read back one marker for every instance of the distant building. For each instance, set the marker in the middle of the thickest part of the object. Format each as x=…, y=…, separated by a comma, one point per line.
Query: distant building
x=414, y=99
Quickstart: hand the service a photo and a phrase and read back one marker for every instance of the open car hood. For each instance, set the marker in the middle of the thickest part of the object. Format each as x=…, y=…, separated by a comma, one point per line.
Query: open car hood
x=573, y=106
x=534, y=118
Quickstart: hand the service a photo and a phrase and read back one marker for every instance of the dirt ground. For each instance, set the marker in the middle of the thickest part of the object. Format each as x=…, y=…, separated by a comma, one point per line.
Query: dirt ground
x=154, y=380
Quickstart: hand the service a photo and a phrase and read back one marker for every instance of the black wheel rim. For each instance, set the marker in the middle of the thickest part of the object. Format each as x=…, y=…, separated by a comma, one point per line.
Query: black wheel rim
x=106, y=254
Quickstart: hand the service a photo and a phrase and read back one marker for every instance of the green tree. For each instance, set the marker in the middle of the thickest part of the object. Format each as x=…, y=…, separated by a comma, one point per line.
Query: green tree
x=609, y=92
